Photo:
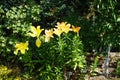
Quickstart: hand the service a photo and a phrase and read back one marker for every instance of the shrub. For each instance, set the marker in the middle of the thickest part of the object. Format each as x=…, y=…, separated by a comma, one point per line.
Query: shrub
x=15, y=24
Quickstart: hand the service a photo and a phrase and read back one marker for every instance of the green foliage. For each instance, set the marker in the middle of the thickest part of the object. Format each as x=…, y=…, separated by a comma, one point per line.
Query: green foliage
x=99, y=21
x=50, y=59
x=15, y=24
x=118, y=69
x=76, y=58
x=12, y=74
x=53, y=11
x=94, y=66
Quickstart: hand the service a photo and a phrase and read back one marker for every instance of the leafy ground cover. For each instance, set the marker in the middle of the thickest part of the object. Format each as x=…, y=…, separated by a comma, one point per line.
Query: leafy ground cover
x=14, y=71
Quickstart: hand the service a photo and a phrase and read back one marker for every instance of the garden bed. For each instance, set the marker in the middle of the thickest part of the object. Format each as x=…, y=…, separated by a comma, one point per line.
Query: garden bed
x=98, y=74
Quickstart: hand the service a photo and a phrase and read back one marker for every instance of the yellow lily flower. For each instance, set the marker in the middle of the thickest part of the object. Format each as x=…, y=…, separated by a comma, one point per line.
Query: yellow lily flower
x=49, y=32
x=59, y=25
x=63, y=26
x=58, y=32
x=38, y=42
x=75, y=29
x=48, y=35
x=22, y=47
x=35, y=32
x=66, y=28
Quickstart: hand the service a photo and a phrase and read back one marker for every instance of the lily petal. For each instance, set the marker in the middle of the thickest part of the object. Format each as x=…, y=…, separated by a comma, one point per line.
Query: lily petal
x=58, y=32
x=38, y=42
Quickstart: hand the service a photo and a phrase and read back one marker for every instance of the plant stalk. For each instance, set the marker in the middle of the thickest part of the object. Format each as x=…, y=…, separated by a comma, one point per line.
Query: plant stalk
x=107, y=61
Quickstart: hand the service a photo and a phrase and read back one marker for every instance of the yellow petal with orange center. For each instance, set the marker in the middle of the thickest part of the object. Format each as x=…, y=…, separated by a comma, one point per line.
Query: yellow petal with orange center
x=63, y=26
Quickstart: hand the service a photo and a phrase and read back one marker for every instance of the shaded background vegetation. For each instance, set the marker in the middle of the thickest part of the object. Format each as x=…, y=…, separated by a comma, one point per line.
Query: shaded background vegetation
x=98, y=19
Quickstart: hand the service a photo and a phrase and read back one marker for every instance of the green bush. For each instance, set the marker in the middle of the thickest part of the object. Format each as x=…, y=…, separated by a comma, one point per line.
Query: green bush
x=118, y=69
x=15, y=24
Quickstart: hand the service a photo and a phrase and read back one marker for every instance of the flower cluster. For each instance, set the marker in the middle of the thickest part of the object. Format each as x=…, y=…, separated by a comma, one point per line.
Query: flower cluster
x=60, y=28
